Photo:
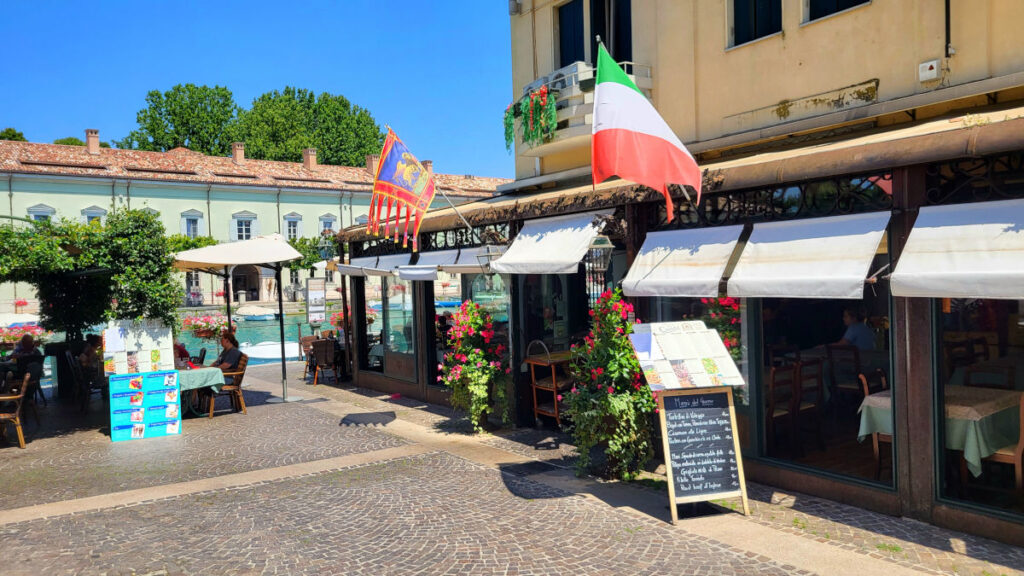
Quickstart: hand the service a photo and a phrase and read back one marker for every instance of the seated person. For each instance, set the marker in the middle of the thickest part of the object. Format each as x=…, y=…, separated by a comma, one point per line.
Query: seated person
x=92, y=367
x=857, y=332
x=229, y=357
x=180, y=351
x=26, y=348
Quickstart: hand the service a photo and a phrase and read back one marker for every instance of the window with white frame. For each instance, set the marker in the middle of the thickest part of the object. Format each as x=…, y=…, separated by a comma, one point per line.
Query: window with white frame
x=192, y=223
x=93, y=214
x=244, y=226
x=327, y=222
x=293, y=276
x=41, y=213
x=292, y=226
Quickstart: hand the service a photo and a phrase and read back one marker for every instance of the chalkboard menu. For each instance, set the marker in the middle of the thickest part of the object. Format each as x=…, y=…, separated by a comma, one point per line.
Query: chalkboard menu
x=702, y=453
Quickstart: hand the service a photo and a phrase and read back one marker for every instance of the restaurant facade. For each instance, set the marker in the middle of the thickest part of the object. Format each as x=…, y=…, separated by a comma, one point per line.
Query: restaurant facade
x=870, y=287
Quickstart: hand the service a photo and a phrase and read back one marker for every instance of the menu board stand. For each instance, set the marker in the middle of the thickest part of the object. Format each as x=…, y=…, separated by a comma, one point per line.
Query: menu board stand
x=702, y=450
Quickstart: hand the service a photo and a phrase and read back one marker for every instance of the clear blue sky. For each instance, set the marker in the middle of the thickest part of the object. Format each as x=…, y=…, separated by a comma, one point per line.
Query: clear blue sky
x=437, y=71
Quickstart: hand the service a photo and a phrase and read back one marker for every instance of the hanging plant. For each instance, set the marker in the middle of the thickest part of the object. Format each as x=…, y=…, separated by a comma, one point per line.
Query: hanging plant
x=538, y=118
x=476, y=369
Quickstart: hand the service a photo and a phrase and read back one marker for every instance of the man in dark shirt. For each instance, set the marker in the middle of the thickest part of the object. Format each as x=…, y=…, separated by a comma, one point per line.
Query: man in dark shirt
x=229, y=357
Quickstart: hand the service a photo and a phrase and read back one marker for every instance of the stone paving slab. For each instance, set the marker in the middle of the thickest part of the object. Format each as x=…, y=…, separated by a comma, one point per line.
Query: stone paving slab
x=429, y=514
x=86, y=463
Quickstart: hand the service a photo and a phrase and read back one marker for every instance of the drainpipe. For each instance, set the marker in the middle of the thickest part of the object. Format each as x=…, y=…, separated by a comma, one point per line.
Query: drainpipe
x=128, y=194
x=279, y=213
x=949, y=41
x=10, y=205
x=209, y=216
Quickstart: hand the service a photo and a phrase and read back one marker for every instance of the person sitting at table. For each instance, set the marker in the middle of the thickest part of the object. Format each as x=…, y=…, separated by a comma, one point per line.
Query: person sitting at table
x=25, y=347
x=92, y=367
x=180, y=352
x=229, y=356
x=858, y=333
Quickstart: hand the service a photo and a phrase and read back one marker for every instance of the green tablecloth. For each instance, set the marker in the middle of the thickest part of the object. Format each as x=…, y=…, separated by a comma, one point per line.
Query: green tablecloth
x=979, y=421
x=200, y=378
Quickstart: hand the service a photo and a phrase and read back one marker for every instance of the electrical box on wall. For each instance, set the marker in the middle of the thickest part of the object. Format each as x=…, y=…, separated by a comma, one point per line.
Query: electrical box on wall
x=927, y=71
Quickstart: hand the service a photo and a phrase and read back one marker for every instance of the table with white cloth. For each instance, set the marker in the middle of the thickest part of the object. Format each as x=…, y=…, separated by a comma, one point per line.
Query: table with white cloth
x=979, y=421
x=191, y=381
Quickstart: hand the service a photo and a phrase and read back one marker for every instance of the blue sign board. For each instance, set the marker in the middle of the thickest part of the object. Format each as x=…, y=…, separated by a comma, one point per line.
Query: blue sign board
x=144, y=405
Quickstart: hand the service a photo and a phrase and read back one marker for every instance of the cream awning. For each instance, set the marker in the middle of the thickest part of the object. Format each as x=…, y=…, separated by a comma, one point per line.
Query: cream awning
x=814, y=258
x=550, y=245
x=964, y=251
x=469, y=260
x=682, y=262
x=270, y=249
x=381, y=265
x=425, y=269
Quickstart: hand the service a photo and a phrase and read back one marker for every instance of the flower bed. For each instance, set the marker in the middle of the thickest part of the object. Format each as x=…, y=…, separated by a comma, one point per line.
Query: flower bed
x=13, y=335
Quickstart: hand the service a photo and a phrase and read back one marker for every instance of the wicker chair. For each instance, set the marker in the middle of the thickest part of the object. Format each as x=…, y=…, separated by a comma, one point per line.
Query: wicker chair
x=10, y=407
x=233, y=390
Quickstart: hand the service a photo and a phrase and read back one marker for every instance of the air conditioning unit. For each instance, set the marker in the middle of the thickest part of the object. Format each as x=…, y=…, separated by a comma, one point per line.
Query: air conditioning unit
x=514, y=7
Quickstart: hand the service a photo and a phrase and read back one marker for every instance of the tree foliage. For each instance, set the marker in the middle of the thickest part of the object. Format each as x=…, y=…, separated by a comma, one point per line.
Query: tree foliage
x=73, y=141
x=309, y=248
x=280, y=124
x=180, y=242
x=86, y=273
x=195, y=117
x=12, y=134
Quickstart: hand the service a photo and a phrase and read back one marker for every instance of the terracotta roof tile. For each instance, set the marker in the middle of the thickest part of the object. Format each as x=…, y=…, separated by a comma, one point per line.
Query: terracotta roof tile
x=184, y=165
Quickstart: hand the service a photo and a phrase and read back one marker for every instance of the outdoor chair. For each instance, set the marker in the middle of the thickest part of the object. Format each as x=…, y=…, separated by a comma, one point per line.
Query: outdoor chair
x=1001, y=377
x=844, y=367
x=323, y=357
x=233, y=390
x=781, y=400
x=198, y=360
x=810, y=397
x=306, y=345
x=84, y=385
x=871, y=383
x=25, y=364
x=10, y=407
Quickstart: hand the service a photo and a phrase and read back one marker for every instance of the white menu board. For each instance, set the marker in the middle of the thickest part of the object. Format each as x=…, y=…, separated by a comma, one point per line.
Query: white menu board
x=131, y=347
x=677, y=355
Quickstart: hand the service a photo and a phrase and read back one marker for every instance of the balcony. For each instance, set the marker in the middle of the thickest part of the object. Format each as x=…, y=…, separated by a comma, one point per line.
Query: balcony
x=574, y=87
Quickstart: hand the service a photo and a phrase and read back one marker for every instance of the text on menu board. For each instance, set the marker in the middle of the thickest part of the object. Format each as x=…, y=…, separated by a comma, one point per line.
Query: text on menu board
x=699, y=435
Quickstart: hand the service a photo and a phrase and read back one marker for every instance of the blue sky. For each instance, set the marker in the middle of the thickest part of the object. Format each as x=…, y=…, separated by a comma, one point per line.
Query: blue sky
x=437, y=71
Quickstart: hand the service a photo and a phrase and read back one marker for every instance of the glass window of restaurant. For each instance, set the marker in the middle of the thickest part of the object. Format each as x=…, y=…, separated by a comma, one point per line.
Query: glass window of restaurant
x=980, y=374
x=389, y=338
x=448, y=289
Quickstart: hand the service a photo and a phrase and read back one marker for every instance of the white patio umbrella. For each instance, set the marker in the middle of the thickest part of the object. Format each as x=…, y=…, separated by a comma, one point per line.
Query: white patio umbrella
x=269, y=251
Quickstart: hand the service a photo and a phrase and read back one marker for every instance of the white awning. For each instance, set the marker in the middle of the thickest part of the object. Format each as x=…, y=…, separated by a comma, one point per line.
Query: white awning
x=372, y=265
x=270, y=249
x=964, y=251
x=550, y=245
x=469, y=260
x=815, y=258
x=682, y=262
x=425, y=269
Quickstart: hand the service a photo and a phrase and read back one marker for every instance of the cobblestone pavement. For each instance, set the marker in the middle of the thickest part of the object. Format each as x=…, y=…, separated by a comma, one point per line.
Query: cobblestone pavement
x=79, y=460
x=432, y=514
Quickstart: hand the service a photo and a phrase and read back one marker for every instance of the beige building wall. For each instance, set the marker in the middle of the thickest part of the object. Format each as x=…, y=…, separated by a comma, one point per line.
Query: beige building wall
x=707, y=89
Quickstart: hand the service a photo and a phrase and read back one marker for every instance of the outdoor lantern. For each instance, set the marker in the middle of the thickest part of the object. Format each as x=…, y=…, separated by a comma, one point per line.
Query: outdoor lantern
x=326, y=245
x=489, y=254
x=600, y=253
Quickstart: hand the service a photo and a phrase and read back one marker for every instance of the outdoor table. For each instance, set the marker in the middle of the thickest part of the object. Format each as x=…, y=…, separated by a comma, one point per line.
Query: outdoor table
x=979, y=421
x=193, y=380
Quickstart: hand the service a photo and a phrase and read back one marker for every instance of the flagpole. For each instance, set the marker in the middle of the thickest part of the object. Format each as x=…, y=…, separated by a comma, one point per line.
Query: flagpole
x=461, y=217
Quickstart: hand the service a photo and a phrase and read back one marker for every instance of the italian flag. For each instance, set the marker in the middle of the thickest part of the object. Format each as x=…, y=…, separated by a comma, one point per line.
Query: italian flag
x=631, y=140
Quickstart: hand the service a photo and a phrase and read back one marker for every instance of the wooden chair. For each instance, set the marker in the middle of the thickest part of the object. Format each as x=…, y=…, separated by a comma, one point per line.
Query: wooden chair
x=779, y=354
x=10, y=407
x=233, y=390
x=306, y=345
x=811, y=397
x=1012, y=454
x=198, y=360
x=1001, y=377
x=323, y=355
x=871, y=383
x=844, y=368
x=781, y=400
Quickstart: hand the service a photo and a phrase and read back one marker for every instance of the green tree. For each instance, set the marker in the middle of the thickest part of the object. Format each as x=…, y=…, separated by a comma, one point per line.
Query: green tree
x=280, y=124
x=12, y=134
x=309, y=248
x=73, y=141
x=179, y=242
x=186, y=115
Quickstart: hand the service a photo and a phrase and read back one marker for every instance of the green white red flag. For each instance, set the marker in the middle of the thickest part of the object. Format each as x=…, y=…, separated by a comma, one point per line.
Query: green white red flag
x=631, y=140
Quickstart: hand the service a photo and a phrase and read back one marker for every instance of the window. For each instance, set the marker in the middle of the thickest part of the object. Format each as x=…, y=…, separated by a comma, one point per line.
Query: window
x=93, y=214
x=570, y=33
x=193, y=291
x=979, y=373
x=292, y=229
x=41, y=213
x=388, y=341
x=192, y=223
x=329, y=275
x=327, y=222
x=293, y=276
x=612, y=20
x=244, y=229
x=362, y=219
x=753, y=19
x=820, y=8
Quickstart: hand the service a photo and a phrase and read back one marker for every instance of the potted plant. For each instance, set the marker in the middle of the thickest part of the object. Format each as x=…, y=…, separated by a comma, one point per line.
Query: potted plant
x=19, y=304
x=610, y=403
x=475, y=370
x=209, y=326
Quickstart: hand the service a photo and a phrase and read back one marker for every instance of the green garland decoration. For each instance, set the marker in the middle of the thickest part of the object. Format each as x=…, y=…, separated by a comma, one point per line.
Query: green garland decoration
x=510, y=127
x=538, y=118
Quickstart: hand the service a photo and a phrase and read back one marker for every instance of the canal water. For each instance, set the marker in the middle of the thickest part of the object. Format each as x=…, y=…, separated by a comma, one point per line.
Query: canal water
x=254, y=332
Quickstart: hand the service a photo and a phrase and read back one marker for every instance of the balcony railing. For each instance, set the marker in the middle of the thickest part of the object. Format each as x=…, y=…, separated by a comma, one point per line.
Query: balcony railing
x=574, y=86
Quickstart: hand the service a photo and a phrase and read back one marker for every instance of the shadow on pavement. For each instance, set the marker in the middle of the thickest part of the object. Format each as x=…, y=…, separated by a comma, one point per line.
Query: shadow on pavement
x=368, y=419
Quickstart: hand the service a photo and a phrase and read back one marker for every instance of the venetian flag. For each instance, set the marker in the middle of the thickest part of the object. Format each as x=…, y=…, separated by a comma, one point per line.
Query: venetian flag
x=400, y=183
x=631, y=140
